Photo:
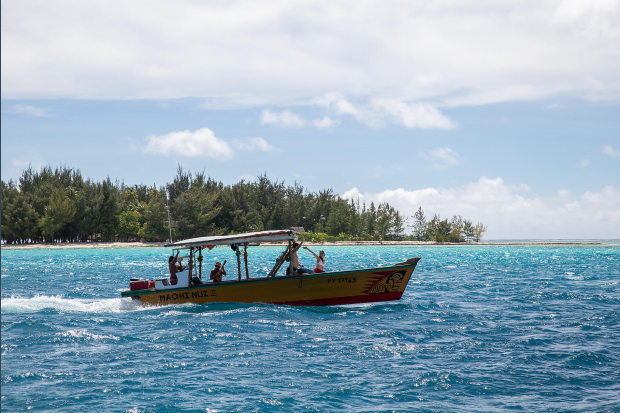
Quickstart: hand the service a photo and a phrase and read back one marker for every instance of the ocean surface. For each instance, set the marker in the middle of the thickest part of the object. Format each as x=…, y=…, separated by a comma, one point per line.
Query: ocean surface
x=479, y=328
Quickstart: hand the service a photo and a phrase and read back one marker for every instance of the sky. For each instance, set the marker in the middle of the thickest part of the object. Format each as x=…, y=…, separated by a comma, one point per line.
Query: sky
x=507, y=113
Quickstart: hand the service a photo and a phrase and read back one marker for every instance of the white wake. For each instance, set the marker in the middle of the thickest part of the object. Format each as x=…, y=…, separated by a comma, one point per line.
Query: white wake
x=77, y=305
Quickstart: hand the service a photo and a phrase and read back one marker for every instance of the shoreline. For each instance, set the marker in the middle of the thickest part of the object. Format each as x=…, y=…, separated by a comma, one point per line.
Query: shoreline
x=327, y=244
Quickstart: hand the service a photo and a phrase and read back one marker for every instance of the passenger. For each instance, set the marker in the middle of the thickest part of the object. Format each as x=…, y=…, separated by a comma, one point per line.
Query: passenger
x=174, y=266
x=296, y=266
x=218, y=272
x=320, y=260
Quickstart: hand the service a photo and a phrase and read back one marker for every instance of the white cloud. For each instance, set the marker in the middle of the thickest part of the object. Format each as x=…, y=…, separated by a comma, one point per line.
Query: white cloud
x=254, y=144
x=412, y=115
x=284, y=119
x=608, y=150
x=584, y=164
x=337, y=104
x=445, y=156
x=288, y=119
x=325, y=123
x=277, y=52
x=377, y=112
x=510, y=213
x=201, y=143
x=29, y=110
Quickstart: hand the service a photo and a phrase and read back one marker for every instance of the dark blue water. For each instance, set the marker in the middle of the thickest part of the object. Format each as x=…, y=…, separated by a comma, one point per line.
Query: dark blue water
x=480, y=328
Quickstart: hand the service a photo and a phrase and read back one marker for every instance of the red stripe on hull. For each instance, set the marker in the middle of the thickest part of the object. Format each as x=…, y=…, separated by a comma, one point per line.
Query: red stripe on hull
x=357, y=299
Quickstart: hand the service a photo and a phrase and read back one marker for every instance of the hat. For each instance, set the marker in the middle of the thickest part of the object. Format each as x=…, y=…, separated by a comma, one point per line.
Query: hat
x=219, y=264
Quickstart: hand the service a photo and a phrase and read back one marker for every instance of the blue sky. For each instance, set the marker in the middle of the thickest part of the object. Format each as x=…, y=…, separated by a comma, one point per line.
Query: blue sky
x=507, y=114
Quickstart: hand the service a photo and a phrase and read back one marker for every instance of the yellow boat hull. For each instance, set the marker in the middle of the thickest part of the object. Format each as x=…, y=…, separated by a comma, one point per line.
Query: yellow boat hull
x=332, y=288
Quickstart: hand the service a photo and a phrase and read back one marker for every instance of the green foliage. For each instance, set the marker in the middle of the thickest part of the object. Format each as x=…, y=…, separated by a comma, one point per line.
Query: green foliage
x=155, y=217
x=338, y=221
x=479, y=229
x=398, y=226
x=129, y=224
x=196, y=210
x=19, y=219
x=468, y=230
x=60, y=204
x=455, y=230
x=321, y=237
x=58, y=212
x=443, y=230
x=419, y=225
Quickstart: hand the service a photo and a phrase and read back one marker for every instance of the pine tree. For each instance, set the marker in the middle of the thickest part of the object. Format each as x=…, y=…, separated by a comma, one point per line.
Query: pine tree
x=129, y=224
x=58, y=212
x=385, y=217
x=156, y=217
x=60, y=204
x=430, y=232
x=419, y=225
x=398, y=226
x=479, y=229
x=338, y=221
x=456, y=229
x=468, y=230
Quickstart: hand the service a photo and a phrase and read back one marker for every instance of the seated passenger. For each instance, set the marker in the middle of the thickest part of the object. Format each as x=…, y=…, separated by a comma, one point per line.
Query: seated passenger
x=218, y=272
x=174, y=266
x=320, y=260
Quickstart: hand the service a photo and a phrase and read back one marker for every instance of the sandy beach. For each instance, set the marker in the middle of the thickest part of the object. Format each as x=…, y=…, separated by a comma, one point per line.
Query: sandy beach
x=332, y=243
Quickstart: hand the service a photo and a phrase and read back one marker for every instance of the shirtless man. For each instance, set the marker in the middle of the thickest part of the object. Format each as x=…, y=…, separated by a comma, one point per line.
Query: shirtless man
x=218, y=272
x=296, y=267
x=174, y=267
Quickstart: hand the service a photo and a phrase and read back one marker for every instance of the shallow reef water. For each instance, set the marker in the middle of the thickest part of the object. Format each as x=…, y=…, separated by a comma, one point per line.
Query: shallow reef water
x=479, y=328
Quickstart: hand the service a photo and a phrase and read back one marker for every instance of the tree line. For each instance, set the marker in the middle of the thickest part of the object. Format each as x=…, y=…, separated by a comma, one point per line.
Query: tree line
x=61, y=205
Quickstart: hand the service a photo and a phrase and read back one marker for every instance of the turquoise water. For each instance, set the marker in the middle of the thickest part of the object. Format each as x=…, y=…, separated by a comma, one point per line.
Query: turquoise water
x=479, y=328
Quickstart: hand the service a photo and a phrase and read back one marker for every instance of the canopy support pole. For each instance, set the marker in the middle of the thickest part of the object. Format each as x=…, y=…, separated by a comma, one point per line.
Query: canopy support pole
x=200, y=263
x=245, y=259
x=239, y=262
x=290, y=257
x=191, y=262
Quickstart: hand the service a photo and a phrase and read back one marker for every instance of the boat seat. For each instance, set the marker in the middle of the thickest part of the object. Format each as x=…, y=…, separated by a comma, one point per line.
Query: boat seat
x=183, y=282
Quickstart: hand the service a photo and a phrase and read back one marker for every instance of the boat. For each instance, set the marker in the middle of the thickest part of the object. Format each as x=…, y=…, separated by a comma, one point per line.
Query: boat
x=329, y=288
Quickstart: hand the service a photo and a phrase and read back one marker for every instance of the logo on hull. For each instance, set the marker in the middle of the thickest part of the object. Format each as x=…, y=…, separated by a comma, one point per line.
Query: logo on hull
x=388, y=284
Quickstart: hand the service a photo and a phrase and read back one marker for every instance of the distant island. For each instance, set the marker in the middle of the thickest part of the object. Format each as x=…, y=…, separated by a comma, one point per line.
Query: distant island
x=60, y=205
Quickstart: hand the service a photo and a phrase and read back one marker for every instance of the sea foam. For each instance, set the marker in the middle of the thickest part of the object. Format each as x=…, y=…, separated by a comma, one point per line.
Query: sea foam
x=42, y=302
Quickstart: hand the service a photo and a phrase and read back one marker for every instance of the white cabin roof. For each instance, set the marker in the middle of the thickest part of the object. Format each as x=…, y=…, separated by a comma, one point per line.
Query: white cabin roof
x=263, y=236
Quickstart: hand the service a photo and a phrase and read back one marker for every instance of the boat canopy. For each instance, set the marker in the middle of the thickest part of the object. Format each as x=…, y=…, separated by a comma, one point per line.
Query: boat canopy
x=251, y=237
